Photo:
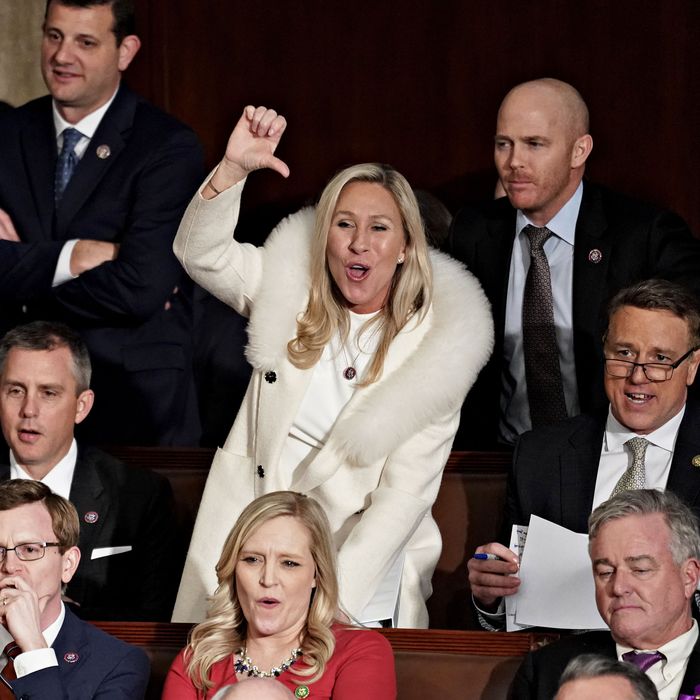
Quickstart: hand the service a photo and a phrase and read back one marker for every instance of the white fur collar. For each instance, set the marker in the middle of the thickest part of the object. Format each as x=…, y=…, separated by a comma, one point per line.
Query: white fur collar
x=431, y=384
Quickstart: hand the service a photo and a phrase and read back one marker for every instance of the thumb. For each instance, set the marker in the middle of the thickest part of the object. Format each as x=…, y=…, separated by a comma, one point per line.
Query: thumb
x=274, y=163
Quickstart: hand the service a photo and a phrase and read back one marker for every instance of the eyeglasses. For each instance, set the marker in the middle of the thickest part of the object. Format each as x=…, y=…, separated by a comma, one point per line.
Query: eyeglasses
x=31, y=551
x=653, y=371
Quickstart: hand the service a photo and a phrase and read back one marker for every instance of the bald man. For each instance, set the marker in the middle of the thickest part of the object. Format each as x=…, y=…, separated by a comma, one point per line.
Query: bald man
x=599, y=242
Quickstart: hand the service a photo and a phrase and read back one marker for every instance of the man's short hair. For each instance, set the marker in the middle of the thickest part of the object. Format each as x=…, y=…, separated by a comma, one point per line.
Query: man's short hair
x=64, y=517
x=595, y=666
x=122, y=11
x=661, y=295
x=681, y=521
x=49, y=335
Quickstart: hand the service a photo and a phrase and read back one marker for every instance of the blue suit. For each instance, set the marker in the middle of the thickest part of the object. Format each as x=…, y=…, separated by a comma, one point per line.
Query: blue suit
x=91, y=664
x=135, y=196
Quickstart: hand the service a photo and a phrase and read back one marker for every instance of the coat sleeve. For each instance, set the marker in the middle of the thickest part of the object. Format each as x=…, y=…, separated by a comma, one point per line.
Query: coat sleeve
x=205, y=246
x=142, y=220
x=126, y=680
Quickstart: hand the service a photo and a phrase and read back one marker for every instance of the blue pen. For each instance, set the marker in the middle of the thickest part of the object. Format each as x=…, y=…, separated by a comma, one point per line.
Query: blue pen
x=486, y=557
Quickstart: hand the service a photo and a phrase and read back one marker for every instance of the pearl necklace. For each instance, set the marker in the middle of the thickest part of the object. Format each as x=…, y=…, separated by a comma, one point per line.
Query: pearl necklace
x=244, y=664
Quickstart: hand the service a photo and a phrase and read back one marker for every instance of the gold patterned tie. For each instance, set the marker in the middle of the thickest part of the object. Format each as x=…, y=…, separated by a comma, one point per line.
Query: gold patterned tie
x=635, y=476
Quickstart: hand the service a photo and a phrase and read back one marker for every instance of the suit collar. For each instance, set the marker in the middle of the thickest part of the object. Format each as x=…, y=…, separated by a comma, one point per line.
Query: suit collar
x=112, y=133
x=579, y=469
x=90, y=498
x=684, y=477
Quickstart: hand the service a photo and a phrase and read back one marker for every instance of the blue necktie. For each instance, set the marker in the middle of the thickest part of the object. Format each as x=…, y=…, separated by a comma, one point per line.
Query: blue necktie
x=67, y=160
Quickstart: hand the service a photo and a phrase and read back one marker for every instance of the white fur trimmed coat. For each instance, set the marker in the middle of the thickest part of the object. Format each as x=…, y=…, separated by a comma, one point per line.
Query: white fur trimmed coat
x=379, y=472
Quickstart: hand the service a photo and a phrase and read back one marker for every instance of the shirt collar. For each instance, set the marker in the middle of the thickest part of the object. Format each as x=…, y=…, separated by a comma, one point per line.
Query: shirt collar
x=563, y=223
x=87, y=126
x=616, y=434
x=60, y=475
x=676, y=651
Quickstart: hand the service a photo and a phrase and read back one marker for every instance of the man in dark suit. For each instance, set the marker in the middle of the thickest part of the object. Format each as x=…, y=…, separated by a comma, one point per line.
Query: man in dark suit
x=598, y=243
x=50, y=652
x=86, y=228
x=132, y=554
x=561, y=472
x=645, y=551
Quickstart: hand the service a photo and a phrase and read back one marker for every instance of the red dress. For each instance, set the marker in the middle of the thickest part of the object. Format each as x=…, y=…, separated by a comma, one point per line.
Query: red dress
x=362, y=666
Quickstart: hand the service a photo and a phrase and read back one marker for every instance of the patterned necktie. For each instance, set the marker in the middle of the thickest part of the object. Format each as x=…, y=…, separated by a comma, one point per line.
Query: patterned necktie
x=635, y=476
x=67, y=160
x=545, y=390
x=643, y=660
x=8, y=673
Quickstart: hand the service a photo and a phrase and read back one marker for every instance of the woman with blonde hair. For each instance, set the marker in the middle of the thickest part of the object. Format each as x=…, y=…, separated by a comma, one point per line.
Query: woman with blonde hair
x=275, y=617
x=363, y=345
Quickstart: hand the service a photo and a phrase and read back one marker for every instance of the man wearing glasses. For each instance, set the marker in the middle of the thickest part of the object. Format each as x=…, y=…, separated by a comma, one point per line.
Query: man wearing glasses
x=650, y=439
x=47, y=651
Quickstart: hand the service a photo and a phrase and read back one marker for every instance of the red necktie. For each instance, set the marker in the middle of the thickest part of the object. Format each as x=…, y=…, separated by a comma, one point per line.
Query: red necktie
x=8, y=673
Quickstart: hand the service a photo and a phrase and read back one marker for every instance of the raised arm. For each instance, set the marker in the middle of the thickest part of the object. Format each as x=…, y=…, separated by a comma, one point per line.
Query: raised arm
x=204, y=243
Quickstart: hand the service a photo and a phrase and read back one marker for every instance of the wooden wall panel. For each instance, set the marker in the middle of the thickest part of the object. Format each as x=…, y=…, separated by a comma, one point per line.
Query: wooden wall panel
x=417, y=84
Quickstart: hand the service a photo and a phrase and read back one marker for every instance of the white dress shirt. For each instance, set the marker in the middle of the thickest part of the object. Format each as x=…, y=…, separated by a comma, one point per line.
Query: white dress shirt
x=59, y=478
x=559, y=249
x=615, y=458
x=29, y=661
x=87, y=126
x=667, y=675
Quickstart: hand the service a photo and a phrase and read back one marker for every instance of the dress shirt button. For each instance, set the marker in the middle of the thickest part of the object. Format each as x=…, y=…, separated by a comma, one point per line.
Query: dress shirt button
x=260, y=471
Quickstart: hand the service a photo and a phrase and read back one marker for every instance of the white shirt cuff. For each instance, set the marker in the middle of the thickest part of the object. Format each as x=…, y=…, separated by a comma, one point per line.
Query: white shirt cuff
x=31, y=661
x=63, y=273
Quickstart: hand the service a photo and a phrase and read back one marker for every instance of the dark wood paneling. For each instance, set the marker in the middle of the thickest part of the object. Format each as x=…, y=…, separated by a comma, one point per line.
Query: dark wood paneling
x=417, y=84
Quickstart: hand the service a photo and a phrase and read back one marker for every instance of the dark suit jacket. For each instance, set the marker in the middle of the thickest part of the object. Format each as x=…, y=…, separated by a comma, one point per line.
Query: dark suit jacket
x=135, y=197
x=91, y=664
x=555, y=468
x=636, y=241
x=538, y=676
x=122, y=506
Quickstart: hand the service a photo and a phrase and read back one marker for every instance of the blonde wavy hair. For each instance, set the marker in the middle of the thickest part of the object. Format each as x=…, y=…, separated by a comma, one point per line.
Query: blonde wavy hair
x=411, y=288
x=224, y=630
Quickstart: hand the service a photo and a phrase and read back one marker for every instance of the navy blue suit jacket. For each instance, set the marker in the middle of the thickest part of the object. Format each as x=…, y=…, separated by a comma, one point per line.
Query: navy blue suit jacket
x=123, y=506
x=555, y=468
x=634, y=241
x=91, y=664
x=141, y=351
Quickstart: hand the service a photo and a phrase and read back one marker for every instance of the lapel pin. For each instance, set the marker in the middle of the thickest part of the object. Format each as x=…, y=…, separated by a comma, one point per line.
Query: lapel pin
x=302, y=692
x=70, y=657
x=696, y=461
x=595, y=256
x=91, y=517
x=103, y=151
